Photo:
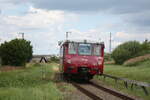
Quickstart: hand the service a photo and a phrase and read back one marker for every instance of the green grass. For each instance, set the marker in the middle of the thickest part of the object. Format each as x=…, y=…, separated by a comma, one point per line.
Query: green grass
x=28, y=84
x=141, y=72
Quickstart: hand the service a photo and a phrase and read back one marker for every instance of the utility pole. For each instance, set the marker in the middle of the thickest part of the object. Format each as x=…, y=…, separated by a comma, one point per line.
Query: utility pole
x=110, y=44
x=22, y=35
x=67, y=33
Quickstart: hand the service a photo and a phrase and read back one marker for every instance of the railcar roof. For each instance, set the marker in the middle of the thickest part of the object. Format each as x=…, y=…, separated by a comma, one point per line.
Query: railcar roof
x=82, y=41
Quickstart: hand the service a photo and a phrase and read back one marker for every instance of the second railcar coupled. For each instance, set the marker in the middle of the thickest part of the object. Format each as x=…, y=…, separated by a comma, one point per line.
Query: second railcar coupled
x=82, y=58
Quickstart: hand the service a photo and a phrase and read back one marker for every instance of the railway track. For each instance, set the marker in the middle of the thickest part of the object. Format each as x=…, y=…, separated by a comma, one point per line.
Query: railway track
x=98, y=92
x=86, y=92
x=95, y=91
x=112, y=92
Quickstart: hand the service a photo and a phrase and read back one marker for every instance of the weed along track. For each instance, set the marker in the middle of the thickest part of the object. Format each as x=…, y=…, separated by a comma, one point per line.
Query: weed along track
x=97, y=92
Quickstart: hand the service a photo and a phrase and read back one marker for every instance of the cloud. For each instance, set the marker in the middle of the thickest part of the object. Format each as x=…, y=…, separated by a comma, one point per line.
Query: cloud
x=42, y=27
x=92, y=35
x=122, y=36
x=117, y=6
x=46, y=21
x=139, y=22
x=99, y=35
x=35, y=18
x=134, y=12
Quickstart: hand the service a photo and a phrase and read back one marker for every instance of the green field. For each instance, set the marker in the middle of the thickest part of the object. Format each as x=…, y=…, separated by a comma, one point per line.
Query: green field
x=37, y=82
x=141, y=72
x=32, y=83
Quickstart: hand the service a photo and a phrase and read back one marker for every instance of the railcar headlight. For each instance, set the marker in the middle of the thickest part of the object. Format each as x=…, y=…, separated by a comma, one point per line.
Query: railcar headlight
x=94, y=64
x=99, y=62
x=69, y=61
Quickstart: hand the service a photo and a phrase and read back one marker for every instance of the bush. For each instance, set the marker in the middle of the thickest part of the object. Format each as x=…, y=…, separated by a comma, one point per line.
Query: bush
x=16, y=52
x=145, y=47
x=126, y=51
x=54, y=59
x=107, y=57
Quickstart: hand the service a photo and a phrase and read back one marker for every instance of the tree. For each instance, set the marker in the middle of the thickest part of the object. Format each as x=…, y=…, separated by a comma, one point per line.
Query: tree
x=126, y=51
x=145, y=47
x=16, y=52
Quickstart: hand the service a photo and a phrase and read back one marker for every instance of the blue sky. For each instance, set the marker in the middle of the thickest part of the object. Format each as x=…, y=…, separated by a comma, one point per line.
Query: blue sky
x=45, y=22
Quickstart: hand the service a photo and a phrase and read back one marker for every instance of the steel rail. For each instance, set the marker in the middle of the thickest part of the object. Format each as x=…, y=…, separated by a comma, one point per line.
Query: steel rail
x=86, y=92
x=112, y=92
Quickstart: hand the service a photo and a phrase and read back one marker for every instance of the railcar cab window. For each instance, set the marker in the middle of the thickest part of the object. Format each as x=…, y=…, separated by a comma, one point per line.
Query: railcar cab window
x=72, y=48
x=97, y=50
x=84, y=49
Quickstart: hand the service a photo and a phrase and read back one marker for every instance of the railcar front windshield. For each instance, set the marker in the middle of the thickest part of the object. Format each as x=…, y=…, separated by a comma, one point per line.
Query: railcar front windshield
x=96, y=50
x=85, y=49
x=72, y=48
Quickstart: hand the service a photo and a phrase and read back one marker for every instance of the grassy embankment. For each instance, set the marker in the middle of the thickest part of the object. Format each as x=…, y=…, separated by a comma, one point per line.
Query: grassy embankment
x=28, y=83
x=140, y=72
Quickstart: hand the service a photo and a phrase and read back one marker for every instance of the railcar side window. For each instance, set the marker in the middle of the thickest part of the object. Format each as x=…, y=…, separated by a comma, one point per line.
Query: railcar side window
x=61, y=51
x=72, y=48
x=97, y=50
x=84, y=49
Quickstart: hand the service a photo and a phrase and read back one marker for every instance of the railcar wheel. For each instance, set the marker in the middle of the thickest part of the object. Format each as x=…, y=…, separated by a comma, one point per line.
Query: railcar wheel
x=90, y=77
x=66, y=76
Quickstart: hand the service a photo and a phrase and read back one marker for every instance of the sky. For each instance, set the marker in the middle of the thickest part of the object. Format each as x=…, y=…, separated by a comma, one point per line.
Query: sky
x=45, y=22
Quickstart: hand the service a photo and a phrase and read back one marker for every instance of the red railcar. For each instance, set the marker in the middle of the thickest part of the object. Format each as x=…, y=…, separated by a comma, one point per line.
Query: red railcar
x=82, y=58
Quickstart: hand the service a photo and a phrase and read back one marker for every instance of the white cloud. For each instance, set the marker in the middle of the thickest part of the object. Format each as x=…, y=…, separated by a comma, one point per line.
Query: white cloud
x=132, y=36
x=91, y=34
x=36, y=18
x=42, y=27
x=117, y=38
x=45, y=27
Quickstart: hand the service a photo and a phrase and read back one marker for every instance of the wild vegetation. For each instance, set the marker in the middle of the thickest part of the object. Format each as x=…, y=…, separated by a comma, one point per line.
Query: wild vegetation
x=129, y=50
x=107, y=57
x=32, y=83
x=54, y=59
x=16, y=52
x=136, y=72
x=139, y=72
x=131, y=53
